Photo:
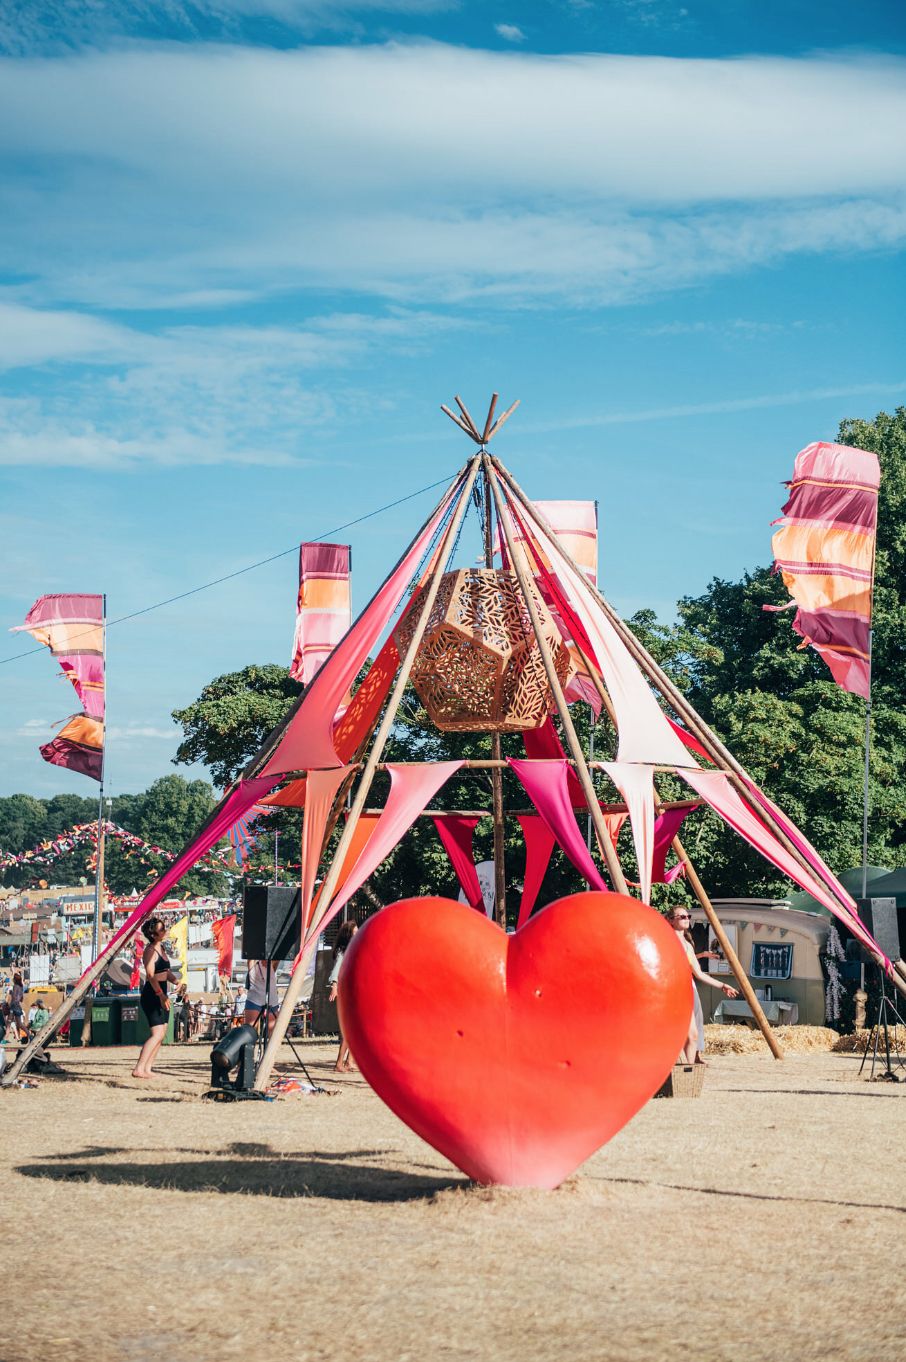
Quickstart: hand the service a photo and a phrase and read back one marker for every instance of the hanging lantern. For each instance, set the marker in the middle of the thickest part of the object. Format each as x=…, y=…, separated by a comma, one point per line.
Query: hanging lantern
x=479, y=668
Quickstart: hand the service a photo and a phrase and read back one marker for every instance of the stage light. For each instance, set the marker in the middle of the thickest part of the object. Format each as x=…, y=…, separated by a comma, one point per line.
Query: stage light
x=236, y=1048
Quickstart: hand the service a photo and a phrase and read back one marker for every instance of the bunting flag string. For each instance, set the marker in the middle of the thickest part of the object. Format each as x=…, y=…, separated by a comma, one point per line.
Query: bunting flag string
x=83, y=834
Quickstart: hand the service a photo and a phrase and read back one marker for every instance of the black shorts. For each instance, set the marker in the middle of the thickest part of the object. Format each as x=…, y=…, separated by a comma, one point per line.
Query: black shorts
x=155, y=1012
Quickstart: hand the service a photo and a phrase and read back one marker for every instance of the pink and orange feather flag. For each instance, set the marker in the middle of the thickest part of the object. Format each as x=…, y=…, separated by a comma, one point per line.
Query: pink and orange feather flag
x=324, y=609
x=825, y=551
x=72, y=627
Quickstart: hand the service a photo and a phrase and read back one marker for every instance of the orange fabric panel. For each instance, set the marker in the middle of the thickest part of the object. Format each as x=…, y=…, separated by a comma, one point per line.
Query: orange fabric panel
x=292, y=796
x=325, y=593
x=820, y=591
x=367, y=703
x=360, y=839
x=82, y=729
x=820, y=544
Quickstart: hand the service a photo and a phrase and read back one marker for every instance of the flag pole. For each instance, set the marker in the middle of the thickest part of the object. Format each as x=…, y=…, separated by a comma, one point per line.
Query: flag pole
x=99, y=868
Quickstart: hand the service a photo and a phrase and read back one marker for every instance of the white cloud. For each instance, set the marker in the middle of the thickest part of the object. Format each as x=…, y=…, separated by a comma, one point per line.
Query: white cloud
x=428, y=173
x=510, y=33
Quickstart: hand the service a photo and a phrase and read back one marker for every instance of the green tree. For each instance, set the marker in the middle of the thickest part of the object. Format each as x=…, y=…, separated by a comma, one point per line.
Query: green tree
x=232, y=716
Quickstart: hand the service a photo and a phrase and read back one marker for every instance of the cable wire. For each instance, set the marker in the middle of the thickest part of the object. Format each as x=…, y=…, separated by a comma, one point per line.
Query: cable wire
x=262, y=562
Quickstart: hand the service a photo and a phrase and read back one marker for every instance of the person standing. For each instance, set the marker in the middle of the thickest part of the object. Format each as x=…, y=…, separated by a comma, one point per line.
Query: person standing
x=680, y=920
x=16, y=1012
x=153, y=998
x=262, y=993
x=347, y=931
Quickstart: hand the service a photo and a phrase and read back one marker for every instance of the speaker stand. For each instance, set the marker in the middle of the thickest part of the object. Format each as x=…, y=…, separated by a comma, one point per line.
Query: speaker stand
x=263, y=1037
x=886, y=1008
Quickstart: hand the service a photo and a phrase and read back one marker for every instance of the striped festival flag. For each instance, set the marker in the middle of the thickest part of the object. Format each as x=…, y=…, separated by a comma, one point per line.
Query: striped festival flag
x=72, y=627
x=825, y=551
x=324, y=611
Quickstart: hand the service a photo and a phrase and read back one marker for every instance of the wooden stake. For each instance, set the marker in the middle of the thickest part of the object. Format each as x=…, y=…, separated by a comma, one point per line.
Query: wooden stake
x=516, y=561
x=262, y=1077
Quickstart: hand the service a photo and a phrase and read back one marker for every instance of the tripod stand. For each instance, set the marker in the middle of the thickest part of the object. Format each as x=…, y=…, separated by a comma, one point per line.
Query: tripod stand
x=261, y=1045
x=886, y=1007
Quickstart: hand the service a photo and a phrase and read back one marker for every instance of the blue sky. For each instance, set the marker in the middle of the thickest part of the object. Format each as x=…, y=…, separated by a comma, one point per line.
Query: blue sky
x=248, y=247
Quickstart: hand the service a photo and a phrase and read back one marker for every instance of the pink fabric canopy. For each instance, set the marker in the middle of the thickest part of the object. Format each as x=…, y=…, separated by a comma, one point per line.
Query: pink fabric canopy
x=666, y=827
x=636, y=785
x=539, y=843
x=715, y=788
x=307, y=743
x=545, y=783
x=321, y=788
x=543, y=744
x=456, y=834
x=645, y=736
x=412, y=785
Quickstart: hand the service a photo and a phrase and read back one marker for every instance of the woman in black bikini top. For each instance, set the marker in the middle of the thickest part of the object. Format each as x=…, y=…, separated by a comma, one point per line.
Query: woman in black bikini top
x=153, y=999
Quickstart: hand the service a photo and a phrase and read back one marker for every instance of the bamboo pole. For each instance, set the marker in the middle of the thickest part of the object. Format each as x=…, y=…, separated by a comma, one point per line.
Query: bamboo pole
x=462, y=425
x=607, y=848
x=500, y=420
x=467, y=418
x=328, y=888
x=719, y=754
x=733, y=960
x=490, y=421
x=254, y=767
x=698, y=888
x=496, y=750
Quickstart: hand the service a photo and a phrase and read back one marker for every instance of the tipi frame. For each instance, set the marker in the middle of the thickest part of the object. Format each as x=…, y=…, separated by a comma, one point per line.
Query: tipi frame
x=499, y=490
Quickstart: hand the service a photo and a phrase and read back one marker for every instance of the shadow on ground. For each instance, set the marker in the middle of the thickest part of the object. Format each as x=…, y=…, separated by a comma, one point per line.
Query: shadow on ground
x=334, y=1177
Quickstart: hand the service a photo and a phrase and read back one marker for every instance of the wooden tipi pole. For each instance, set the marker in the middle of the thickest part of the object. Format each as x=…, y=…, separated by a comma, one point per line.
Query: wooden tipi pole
x=517, y=562
x=699, y=890
x=254, y=767
x=262, y=1077
x=721, y=756
x=496, y=750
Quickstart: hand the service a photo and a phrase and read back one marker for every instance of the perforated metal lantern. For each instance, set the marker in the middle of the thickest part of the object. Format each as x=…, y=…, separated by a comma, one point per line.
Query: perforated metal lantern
x=479, y=667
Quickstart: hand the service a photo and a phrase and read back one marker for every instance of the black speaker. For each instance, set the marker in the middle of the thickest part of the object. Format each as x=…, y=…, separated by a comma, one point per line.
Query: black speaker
x=886, y=922
x=271, y=922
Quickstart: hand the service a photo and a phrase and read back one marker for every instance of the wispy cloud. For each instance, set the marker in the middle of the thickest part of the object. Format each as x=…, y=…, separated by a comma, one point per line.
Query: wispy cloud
x=523, y=178
x=511, y=33
x=117, y=397
x=589, y=420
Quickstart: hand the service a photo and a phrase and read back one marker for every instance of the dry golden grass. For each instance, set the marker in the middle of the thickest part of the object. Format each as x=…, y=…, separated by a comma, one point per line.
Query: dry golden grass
x=141, y=1223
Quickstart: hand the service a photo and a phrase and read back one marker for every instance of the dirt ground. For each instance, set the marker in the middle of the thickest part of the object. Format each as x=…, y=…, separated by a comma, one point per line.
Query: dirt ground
x=764, y=1221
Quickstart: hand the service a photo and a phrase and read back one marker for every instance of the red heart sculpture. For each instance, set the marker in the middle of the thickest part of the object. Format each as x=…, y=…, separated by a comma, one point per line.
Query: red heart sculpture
x=516, y=1056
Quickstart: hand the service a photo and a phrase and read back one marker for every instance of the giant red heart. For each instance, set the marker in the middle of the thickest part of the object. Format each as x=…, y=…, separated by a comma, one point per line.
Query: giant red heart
x=517, y=1057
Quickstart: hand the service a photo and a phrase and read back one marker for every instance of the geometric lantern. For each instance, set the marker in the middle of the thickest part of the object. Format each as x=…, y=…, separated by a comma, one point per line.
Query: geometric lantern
x=479, y=668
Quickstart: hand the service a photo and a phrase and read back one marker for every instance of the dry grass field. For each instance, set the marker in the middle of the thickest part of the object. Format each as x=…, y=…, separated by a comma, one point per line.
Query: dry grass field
x=764, y=1221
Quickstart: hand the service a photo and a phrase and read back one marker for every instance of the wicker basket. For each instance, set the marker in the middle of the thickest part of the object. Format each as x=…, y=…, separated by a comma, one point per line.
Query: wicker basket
x=684, y=1080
